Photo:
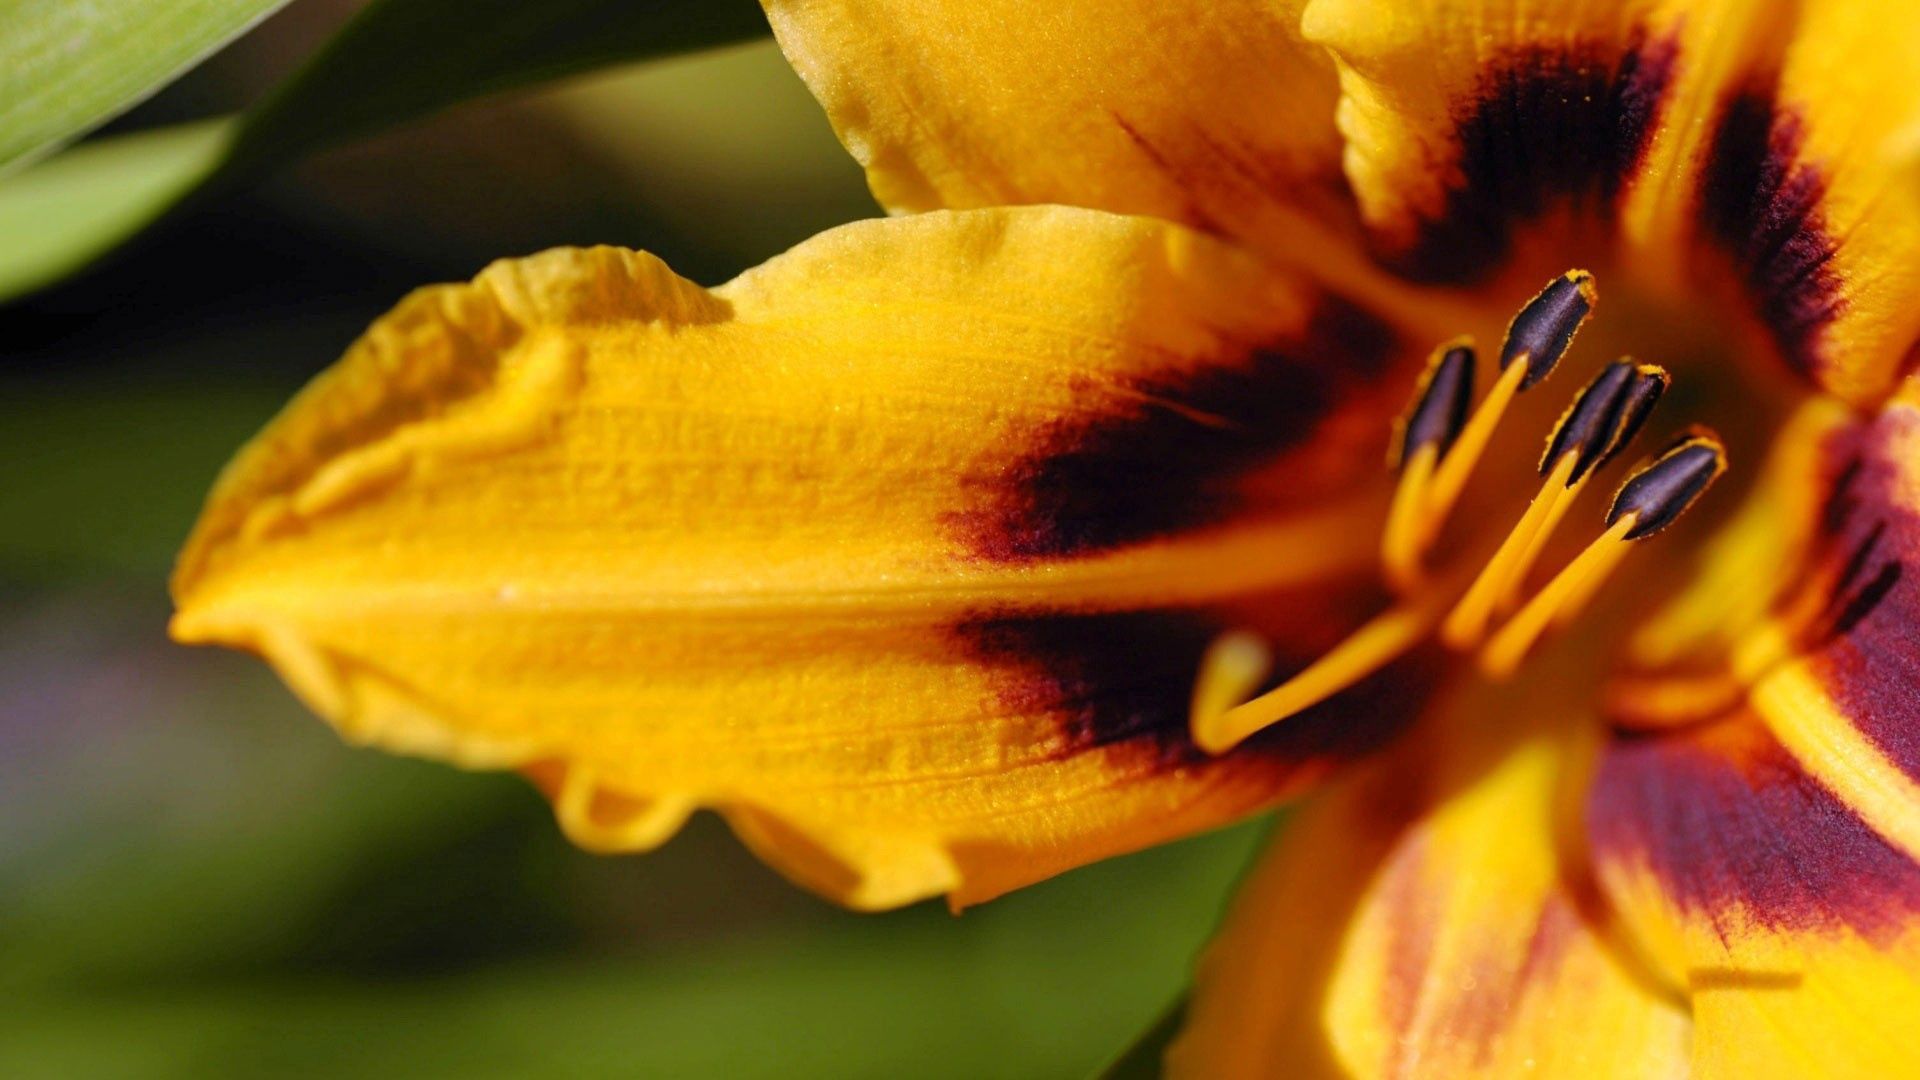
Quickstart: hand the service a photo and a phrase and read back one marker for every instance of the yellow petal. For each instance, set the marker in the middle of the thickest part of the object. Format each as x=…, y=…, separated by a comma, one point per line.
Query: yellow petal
x=901, y=549
x=1259, y=989
x=1736, y=578
x=1834, y=667
x=1214, y=115
x=1772, y=856
x=1761, y=155
x=1465, y=120
x=1812, y=184
x=1423, y=920
x=1811, y=608
x=1794, y=925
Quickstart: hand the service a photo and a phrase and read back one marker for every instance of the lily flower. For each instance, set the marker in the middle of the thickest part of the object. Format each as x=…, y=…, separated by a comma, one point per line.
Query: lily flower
x=1045, y=519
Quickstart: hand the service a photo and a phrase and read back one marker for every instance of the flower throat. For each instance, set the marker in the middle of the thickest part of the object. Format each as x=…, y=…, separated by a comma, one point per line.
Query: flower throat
x=1481, y=608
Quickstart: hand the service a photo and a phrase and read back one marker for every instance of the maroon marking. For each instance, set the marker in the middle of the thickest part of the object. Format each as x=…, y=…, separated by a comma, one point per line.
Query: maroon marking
x=1867, y=653
x=1150, y=467
x=1413, y=923
x=1545, y=125
x=1200, y=166
x=1724, y=817
x=1483, y=1015
x=1841, y=502
x=1762, y=205
x=1867, y=599
x=1182, y=181
x=1126, y=679
x=1559, y=927
x=1475, y=1018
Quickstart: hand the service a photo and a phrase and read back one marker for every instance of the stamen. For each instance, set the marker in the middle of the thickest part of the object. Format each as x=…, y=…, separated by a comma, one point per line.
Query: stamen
x=1436, y=448
x=1227, y=667
x=1539, y=335
x=1451, y=478
x=1426, y=433
x=1651, y=499
x=1400, y=546
x=1659, y=493
x=1650, y=381
x=1536, y=340
x=1623, y=412
x=1467, y=624
x=1565, y=592
x=1602, y=418
x=1230, y=672
x=1441, y=400
x=1586, y=429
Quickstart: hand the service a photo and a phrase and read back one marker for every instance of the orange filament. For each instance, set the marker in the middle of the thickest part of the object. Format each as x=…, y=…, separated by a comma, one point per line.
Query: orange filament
x=1467, y=624
x=1450, y=479
x=1401, y=544
x=1563, y=598
x=1228, y=672
x=1464, y=608
x=1672, y=701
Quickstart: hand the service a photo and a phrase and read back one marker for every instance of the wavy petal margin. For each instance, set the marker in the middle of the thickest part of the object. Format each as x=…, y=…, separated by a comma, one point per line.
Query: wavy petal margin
x=901, y=550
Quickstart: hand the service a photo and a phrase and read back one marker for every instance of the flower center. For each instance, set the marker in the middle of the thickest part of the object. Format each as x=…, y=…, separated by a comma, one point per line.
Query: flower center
x=1480, y=606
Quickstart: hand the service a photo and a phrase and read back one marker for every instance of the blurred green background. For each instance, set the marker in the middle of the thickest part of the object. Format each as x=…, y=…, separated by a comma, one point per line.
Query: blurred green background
x=198, y=879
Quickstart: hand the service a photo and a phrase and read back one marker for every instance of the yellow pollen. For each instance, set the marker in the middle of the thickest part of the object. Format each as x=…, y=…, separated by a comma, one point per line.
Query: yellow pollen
x=1462, y=605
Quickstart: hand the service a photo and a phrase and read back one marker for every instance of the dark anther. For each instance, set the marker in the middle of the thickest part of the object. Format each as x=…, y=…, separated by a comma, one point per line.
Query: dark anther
x=1649, y=382
x=1545, y=327
x=1662, y=491
x=1439, y=404
x=1587, y=428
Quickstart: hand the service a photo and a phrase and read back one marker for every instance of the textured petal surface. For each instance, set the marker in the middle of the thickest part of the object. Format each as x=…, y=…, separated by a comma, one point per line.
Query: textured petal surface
x=1812, y=611
x=1218, y=116
x=1424, y=919
x=1479, y=951
x=1770, y=852
x=1835, y=666
x=1812, y=184
x=1464, y=120
x=1792, y=922
x=900, y=549
x=1756, y=153
x=1262, y=984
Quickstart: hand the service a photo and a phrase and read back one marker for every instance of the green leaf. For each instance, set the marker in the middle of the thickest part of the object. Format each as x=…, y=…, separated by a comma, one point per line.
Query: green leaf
x=66, y=66
x=1144, y=1059
x=401, y=59
x=153, y=950
x=396, y=61
x=63, y=213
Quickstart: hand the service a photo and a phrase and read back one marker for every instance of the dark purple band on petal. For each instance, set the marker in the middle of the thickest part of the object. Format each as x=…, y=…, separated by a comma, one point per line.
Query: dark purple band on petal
x=1125, y=679
x=1762, y=205
x=1152, y=466
x=1727, y=820
x=1546, y=124
x=1866, y=647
